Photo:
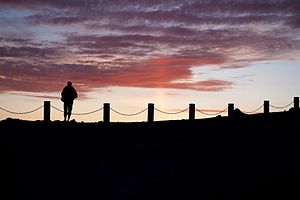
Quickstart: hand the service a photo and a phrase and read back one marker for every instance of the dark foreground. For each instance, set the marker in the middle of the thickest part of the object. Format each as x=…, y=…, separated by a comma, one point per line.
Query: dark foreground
x=245, y=157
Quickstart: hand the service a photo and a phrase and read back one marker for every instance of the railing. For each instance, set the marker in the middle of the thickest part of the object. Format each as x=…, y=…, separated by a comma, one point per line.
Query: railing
x=151, y=108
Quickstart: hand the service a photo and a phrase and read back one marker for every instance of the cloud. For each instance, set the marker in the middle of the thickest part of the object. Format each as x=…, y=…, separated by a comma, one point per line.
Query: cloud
x=42, y=96
x=59, y=20
x=293, y=22
x=27, y=51
x=22, y=4
x=164, y=72
x=153, y=73
x=146, y=44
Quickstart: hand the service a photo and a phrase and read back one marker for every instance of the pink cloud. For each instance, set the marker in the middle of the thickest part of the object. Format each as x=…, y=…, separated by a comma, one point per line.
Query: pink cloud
x=153, y=73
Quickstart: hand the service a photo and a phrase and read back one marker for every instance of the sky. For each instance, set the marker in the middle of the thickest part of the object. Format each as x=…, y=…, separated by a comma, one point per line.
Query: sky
x=133, y=52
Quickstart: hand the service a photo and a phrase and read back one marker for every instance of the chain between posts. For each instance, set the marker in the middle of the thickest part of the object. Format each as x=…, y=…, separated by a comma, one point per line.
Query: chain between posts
x=57, y=109
x=171, y=113
x=254, y=111
x=210, y=114
x=137, y=113
x=87, y=113
x=21, y=113
x=132, y=114
x=281, y=107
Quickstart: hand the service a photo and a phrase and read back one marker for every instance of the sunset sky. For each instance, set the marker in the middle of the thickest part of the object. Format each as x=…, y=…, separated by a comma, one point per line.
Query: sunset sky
x=133, y=52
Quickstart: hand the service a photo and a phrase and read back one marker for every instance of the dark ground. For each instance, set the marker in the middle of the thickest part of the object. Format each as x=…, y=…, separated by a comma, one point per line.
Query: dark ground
x=244, y=157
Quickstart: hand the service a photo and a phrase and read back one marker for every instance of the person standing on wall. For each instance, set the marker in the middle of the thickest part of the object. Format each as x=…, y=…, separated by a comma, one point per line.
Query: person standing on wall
x=67, y=96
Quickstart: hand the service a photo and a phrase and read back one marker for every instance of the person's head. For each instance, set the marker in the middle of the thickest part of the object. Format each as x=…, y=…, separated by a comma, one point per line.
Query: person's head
x=69, y=83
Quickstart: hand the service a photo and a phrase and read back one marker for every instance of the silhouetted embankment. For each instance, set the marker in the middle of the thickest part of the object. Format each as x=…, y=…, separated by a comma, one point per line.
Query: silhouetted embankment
x=244, y=157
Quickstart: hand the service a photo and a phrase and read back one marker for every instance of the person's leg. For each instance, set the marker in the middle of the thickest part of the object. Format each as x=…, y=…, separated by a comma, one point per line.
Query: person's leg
x=70, y=106
x=65, y=111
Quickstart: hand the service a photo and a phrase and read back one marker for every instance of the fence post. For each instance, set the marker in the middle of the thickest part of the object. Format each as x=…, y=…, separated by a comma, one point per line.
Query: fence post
x=192, y=111
x=106, y=110
x=296, y=103
x=266, y=107
x=150, y=112
x=47, y=111
x=230, y=109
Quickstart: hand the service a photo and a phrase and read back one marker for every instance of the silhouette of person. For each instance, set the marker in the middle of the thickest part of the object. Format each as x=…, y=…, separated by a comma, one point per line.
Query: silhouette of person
x=67, y=96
